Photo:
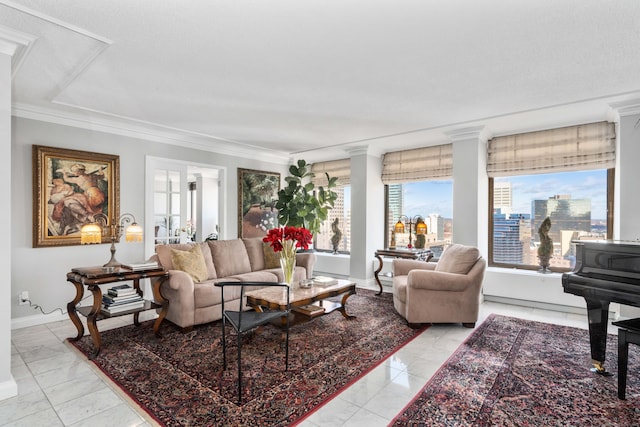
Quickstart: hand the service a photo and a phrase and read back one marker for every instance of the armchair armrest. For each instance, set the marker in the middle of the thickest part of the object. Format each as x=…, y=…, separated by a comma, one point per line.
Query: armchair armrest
x=438, y=281
x=402, y=267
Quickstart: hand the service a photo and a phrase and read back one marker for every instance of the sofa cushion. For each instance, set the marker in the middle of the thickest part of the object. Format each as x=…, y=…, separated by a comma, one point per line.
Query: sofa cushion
x=255, y=252
x=164, y=256
x=229, y=257
x=191, y=262
x=458, y=259
x=271, y=257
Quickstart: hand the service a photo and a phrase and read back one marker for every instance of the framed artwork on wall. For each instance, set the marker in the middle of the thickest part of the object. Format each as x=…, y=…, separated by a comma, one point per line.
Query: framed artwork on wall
x=69, y=187
x=257, y=195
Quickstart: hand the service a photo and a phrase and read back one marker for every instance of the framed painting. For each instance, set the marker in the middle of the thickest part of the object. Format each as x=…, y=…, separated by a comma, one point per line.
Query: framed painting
x=69, y=188
x=257, y=195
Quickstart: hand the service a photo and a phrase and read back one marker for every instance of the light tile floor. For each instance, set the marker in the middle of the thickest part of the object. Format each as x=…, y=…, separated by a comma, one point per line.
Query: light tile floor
x=57, y=387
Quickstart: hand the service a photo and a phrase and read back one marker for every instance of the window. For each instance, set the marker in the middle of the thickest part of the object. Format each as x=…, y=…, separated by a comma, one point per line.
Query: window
x=575, y=202
x=342, y=213
x=418, y=184
x=431, y=200
x=563, y=174
x=336, y=229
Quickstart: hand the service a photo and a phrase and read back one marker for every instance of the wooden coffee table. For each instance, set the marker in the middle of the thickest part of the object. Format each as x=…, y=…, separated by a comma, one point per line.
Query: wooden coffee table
x=304, y=300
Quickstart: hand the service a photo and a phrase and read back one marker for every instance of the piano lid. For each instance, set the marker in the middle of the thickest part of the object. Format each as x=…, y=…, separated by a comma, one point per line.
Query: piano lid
x=613, y=259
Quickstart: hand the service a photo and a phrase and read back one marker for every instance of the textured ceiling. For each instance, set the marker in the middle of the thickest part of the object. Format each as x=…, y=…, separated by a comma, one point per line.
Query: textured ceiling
x=314, y=78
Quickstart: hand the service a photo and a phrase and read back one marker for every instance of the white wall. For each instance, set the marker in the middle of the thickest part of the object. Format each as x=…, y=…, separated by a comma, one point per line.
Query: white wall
x=42, y=271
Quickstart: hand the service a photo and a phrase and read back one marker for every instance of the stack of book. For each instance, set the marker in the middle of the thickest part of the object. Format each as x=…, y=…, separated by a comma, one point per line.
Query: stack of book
x=121, y=298
x=324, y=281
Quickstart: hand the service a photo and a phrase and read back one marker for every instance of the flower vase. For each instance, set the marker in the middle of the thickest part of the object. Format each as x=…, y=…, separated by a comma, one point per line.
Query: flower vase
x=288, y=261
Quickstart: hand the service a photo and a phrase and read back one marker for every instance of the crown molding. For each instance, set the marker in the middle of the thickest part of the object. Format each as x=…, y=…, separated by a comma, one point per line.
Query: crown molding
x=474, y=133
x=626, y=108
x=148, y=132
x=16, y=44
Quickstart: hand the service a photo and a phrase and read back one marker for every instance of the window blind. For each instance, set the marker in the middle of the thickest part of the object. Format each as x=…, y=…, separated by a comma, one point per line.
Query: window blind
x=418, y=164
x=340, y=169
x=588, y=146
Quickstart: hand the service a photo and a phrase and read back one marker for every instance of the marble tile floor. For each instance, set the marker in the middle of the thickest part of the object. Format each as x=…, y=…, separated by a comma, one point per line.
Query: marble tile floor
x=57, y=387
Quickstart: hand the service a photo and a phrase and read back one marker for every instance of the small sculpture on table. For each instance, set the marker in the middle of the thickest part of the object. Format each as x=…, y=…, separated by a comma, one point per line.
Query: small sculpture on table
x=337, y=236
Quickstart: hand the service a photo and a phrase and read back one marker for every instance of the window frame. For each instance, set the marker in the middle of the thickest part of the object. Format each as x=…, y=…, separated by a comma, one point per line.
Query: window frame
x=610, y=199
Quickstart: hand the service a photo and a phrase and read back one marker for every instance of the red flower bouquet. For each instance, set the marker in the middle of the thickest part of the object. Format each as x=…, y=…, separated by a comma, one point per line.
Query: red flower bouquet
x=285, y=240
x=299, y=237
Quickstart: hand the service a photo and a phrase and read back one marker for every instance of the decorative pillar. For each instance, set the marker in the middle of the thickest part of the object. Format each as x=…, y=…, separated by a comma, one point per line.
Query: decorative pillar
x=367, y=211
x=12, y=46
x=626, y=201
x=470, y=187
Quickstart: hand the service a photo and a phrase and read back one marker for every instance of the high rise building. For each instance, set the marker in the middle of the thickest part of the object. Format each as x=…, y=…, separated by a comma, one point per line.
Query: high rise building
x=323, y=238
x=508, y=248
x=396, y=204
x=565, y=214
x=502, y=197
x=435, y=225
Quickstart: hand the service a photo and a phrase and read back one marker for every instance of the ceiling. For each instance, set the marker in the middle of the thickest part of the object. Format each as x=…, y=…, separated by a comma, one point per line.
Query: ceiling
x=311, y=79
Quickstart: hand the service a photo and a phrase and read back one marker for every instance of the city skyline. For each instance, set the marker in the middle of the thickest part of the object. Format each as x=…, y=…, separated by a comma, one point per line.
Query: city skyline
x=429, y=197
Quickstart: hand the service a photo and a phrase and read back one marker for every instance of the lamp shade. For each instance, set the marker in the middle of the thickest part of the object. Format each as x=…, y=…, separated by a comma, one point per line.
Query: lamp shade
x=421, y=227
x=133, y=233
x=90, y=233
x=399, y=227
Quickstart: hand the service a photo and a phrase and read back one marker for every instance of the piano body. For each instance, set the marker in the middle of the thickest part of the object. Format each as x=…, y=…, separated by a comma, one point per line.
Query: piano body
x=606, y=271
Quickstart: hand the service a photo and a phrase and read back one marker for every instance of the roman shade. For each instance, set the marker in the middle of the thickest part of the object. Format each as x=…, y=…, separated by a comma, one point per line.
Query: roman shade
x=588, y=146
x=418, y=164
x=340, y=169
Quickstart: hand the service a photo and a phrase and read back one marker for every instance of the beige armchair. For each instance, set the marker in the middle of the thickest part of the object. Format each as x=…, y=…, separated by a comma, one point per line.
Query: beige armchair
x=444, y=292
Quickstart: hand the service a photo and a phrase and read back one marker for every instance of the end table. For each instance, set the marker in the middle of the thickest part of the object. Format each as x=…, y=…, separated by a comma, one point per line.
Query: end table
x=93, y=277
x=417, y=254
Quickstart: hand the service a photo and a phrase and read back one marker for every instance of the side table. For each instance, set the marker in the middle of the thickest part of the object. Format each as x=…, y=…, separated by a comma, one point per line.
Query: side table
x=417, y=254
x=93, y=277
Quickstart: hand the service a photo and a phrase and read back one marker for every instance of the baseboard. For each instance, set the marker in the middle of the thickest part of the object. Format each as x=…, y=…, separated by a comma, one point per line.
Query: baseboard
x=37, y=319
x=536, y=304
x=8, y=389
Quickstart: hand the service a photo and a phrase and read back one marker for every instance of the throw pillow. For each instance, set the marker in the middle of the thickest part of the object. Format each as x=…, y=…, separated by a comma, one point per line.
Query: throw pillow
x=191, y=262
x=458, y=259
x=271, y=257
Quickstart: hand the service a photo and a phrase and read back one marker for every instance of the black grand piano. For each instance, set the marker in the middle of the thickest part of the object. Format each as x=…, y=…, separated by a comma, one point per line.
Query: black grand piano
x=606, y=271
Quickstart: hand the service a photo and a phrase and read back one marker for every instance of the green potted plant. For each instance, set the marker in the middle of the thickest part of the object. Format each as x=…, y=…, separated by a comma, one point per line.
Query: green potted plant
x=300, y=203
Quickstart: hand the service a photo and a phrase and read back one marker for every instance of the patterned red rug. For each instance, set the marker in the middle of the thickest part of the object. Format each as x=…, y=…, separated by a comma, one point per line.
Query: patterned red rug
x=514, y=372
x=179, y=381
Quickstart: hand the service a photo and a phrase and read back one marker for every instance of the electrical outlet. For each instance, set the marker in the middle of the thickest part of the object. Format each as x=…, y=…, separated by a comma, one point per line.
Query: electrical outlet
x=24, y=298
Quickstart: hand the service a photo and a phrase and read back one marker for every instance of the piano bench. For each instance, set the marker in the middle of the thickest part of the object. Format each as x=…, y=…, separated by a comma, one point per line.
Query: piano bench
x=628, y=332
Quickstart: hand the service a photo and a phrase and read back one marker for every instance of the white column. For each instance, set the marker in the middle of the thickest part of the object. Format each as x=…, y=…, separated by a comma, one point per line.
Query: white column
x=627, y=202
x=367, y=211
x=8, y=386
x=470, y=187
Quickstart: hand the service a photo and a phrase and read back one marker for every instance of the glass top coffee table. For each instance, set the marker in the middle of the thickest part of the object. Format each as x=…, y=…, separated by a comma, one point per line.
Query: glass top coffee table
x=309, y=302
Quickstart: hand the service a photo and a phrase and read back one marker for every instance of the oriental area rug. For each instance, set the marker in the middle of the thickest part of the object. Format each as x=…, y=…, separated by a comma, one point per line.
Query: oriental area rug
x=514, y=372
x=178, y=378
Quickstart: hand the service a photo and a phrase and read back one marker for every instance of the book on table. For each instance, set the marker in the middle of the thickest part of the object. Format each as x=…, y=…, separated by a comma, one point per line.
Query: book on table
x=141, y=265
x=118, y=308
x=311, y=310
x=110, y=300
x=324, y=281
x=121, y=290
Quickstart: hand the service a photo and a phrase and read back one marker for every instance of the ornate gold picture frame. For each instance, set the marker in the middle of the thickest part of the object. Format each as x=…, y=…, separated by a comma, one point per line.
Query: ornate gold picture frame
x=257, y=195
x=69, y=187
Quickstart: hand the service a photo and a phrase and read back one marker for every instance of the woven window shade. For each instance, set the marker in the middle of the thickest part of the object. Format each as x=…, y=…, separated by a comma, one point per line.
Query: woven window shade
x=589, y=146
x=418, y=165
x=340, y=169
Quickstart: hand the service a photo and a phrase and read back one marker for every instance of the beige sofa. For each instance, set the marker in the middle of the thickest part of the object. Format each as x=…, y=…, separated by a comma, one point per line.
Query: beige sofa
x=443, y=292
x=194, y=299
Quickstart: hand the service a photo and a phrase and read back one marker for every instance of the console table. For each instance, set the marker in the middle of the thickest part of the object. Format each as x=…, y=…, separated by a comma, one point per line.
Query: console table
x=417, y=254
x=93, y=277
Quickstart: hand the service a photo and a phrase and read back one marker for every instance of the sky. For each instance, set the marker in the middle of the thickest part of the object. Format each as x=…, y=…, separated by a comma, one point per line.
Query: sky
x=427, y=197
